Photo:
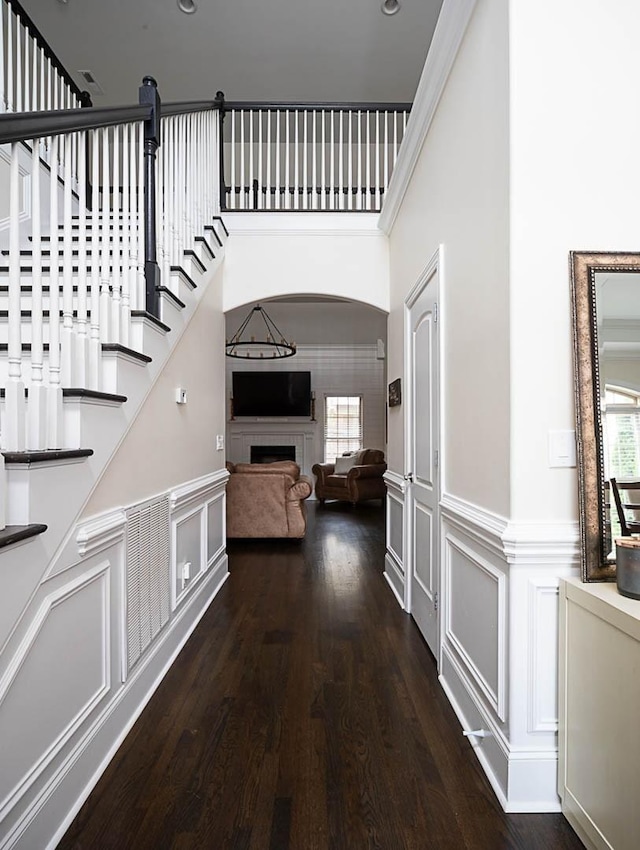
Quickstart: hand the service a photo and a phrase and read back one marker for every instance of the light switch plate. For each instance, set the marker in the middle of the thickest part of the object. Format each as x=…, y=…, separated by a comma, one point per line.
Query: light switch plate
x=219, y=442
x=181, y=396
x=562, y=448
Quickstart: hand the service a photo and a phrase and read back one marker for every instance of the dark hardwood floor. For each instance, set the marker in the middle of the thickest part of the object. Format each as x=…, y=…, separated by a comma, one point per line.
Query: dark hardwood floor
x=304, y=714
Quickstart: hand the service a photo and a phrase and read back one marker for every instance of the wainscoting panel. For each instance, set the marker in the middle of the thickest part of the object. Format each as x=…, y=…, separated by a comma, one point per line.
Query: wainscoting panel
x=215, y=528
x=543, y=651
x=67, y=652
x=394, y=571
x=395, y=543
x=475, y=615
x=423, y=565
x=188, y=553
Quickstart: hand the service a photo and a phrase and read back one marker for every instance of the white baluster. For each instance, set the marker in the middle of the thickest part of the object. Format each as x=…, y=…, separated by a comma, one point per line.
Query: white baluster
x=105, y=221
x=141, y=284
x=27, y=72
x=332, y=141
x=37, y=408
x=18, y=80
x=268, y=193
x=377, y=203
x=296, y=164
x=359, y=203
x=132, y=258
x=314, y=154
x=386, y=151
x=125, y=305
x=341, y=161
x=368, y=180
x=3, y=91
x=287, y=199
x=242, y=178
x=15, y=411
x=323, y=162
x=305, y=161
x=116, y=240
x=349, y=198
x=95, y=376
x=277, y=161
x=55, y=439
x=260, y=160
x=66, y=342
x=250, y=116
x=9, y=59
x=82, y=338
x=232, y=175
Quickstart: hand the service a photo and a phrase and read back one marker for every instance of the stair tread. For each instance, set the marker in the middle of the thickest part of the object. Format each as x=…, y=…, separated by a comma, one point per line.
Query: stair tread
x=15, y=533
x=45, y=455
x=144, y=314
x=81, y=392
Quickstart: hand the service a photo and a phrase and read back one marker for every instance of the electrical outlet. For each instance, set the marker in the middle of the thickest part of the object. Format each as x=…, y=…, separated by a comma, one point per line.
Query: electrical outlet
x=186, y=571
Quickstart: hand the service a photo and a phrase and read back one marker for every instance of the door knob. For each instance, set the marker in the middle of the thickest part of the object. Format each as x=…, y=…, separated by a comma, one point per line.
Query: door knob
x=408, y=476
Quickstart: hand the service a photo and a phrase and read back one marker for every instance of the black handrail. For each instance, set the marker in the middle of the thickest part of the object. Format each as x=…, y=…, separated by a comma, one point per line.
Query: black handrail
x=83, y=96
x=20, y=126
x=272, y=106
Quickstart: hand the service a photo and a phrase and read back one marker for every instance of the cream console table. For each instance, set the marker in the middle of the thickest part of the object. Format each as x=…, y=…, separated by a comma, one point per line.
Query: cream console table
x=599, y=740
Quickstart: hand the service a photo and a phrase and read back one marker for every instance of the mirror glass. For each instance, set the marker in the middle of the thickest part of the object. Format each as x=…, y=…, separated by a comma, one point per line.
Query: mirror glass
x=606, y=325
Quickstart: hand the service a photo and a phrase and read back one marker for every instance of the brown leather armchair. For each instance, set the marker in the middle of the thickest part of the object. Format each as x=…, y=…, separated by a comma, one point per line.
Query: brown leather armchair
x=357, y=478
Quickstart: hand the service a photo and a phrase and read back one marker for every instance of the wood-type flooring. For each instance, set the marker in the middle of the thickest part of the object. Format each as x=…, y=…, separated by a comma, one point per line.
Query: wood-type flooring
x=304, y=714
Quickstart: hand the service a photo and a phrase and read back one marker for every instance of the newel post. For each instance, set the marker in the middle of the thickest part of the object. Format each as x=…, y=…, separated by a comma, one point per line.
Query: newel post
x=219, y=103
x=148, y=95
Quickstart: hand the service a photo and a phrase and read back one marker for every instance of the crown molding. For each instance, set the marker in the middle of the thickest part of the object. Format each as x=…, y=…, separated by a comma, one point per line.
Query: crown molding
x=450, y=29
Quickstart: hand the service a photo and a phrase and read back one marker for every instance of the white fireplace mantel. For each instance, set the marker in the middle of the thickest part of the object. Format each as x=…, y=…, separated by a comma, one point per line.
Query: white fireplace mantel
x=301, y=433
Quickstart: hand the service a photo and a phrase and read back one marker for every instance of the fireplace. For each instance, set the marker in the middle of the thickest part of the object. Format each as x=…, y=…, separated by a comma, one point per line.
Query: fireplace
x=270, y=454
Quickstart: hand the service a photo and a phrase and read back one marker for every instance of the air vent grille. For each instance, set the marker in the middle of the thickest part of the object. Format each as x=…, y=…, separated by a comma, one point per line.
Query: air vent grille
x=147, y=575
x=93, y=86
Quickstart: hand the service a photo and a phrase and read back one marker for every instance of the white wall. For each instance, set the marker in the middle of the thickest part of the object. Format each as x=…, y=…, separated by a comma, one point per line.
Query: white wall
x=575, y=184
x=286, y=253
x=459, y=196
x=169, y=443
x=319, y=323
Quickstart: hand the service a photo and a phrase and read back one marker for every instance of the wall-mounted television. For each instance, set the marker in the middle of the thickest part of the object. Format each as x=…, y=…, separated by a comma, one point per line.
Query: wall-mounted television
x=271, y=393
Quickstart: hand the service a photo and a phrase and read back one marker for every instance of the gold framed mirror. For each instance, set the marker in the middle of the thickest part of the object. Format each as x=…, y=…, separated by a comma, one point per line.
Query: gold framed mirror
x=605, y=289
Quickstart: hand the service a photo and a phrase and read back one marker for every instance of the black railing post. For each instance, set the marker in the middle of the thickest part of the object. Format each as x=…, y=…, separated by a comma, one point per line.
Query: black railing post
x=148, y=95
x=219, y=104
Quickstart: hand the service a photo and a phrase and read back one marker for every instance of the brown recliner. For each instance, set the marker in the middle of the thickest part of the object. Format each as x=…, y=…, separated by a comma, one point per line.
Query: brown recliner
x=360, y=482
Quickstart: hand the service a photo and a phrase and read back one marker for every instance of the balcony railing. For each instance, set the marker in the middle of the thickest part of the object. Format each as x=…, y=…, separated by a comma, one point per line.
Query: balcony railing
x=32, y=78
x=327, y=156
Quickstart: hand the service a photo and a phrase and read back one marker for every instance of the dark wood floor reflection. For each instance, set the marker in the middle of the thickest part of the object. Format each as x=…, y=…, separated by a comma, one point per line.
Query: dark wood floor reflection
x=304, y=714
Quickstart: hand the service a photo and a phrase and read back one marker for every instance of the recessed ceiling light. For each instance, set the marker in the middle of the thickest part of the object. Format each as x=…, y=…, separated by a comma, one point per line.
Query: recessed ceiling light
x=187, y=6
x=390, y=7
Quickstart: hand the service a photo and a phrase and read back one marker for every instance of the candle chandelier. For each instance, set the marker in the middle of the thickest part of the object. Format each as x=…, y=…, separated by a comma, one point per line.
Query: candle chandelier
x=258, y=338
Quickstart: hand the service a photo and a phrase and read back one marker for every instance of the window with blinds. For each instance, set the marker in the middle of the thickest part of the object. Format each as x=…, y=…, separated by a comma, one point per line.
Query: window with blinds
x=342, y=425
x=621, y=440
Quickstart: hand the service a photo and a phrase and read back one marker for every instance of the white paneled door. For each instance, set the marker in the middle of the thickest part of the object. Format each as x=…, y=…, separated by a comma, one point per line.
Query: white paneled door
x=423, y=416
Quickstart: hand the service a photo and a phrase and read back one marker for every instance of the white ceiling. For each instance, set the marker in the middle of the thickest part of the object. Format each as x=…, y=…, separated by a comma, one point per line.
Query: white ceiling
x=282, y=50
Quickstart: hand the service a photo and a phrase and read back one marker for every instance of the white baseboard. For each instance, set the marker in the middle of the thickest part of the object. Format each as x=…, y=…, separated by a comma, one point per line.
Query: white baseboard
x=50, y=813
